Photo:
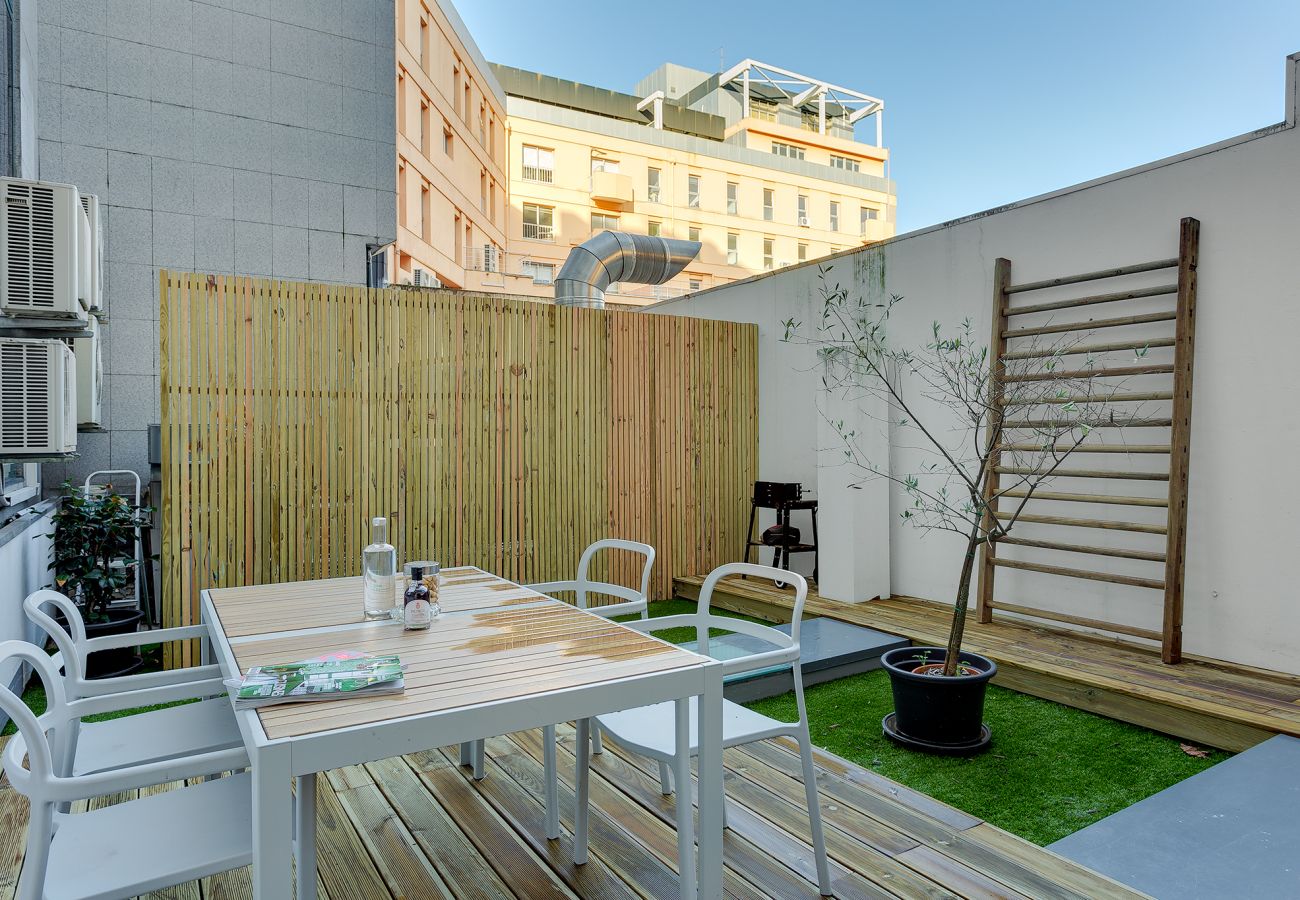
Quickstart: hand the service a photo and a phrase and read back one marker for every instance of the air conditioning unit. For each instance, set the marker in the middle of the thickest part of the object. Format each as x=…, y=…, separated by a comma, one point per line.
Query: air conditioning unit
x=491, y=258
x=90, y=203
x=42, y=228
x=803, y=221
x=90, y=377
x=38, y=397
x=421, y=278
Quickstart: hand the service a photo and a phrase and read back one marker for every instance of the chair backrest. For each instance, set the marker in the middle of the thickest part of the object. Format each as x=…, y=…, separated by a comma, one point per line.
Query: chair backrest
x=32, y=741
x=788, y=645
x=585, y=585
x=71, y=641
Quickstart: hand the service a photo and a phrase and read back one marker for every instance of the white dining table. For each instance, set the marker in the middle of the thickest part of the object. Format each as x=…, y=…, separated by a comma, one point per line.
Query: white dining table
x=501, y=658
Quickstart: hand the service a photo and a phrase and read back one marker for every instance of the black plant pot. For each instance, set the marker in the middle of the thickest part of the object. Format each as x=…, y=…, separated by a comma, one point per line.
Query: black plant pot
x=120, y=661
x=933, y=713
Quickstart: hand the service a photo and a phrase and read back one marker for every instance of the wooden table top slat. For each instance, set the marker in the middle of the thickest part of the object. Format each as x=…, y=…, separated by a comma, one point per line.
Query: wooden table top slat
x=485, y=646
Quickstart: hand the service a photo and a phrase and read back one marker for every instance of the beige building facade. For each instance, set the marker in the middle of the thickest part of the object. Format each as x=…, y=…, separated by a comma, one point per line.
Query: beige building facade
x=501, y=171
x=451, y=151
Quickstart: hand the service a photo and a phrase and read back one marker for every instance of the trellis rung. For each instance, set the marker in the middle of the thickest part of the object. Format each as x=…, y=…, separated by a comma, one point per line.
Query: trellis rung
x=1109, y=577
x=1119, y=552
x=1086, y=473
x=1104, y=524
x=1062, y=327
x=1089, y=498
x=1068, y=619
x=1095, y=298
x=1092, y=448
x=1114, y=372
x=1120, y=423
x=1091, y=348
x=1092, y=276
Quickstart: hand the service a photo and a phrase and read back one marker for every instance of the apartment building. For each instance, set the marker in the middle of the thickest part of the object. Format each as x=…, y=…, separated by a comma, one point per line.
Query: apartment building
x=502, y=171
x=763, y=172
x=451, y=152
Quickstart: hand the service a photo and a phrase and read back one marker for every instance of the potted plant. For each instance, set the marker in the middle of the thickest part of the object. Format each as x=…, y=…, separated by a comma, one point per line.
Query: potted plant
x=93, y=560
x=950, y=399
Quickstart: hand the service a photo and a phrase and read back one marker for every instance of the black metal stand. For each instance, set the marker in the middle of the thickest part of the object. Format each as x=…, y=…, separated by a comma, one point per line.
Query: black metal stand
x=784, y=498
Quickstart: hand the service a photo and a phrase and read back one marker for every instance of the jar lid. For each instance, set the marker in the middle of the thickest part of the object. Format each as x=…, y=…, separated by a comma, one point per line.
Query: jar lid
x=417, y=573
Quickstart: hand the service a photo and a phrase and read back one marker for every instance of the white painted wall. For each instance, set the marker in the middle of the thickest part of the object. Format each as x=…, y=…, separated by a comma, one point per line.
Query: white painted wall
x=24, y=567
x=1244, y=504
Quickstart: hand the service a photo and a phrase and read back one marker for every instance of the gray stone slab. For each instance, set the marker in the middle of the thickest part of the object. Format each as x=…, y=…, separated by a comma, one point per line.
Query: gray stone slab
x=1230, y=831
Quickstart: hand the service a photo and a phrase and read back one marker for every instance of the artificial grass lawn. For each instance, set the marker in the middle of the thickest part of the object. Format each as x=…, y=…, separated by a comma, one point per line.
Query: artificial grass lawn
x=1051, y=770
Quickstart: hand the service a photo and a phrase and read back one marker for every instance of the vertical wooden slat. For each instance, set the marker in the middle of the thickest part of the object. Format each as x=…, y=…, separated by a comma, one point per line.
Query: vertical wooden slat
x=1171, y=649
x=997, y=349
x=497, y=432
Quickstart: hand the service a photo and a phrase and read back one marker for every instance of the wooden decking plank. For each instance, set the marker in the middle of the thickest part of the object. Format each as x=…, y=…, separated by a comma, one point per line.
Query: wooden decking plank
x=962, y=880
x=343, y=862
x=745, y=861
x=508, y=852
x=13, y=832
x=392, y=847
x=634, y=846
x=1024, y=877
x=1065, y=871
x=457, y=860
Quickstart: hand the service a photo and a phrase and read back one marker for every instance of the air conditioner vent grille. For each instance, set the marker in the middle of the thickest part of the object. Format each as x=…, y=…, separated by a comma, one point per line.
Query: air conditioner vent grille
x=29, y=221
x=24, y=396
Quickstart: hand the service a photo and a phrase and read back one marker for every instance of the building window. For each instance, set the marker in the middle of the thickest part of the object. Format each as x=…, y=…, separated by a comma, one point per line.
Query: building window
x=469, y=97
x=539, y=222
x=424, y=43
x=652, y=186
x=768, y=205
x=539, y=164
x=803, y=210
x=482, y=124
x=601, y=164
x=733, y=249
x=541, y=273
x=18, y=482
x=845, y=163
x=732, y=189
x=761, y=108
x=424, y=126
x=868, y=214
x=790, y=151
x=401, y=104
x=448, y=142
x=654, y=228
x=492, y=136
x=458, y=252
x=482, y=190
x=767, y=254
x=401, y=197
x=695, y=284
x=455, y=87
x=492, y=202
x=693, y=233
x=426, y=212
x=603, y=222
x=803, y=253
x=693, y=191
x=835, y=215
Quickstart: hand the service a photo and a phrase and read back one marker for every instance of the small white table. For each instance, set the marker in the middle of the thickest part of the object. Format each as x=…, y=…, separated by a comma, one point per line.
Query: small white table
x=501, y=658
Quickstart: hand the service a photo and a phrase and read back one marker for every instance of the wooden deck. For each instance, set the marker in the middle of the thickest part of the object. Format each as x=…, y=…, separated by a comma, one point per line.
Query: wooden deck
x=420, y=827
x=1207, y=701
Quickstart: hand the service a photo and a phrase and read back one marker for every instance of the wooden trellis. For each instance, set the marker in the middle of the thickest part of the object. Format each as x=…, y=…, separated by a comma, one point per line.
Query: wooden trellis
x=1165, y=382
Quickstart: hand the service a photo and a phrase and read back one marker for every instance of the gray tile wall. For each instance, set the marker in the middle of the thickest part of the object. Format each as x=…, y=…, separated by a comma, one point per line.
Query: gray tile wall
x=246, y=136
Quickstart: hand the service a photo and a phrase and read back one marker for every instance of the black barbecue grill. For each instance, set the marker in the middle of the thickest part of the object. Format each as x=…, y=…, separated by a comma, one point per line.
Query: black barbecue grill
x=784, y=497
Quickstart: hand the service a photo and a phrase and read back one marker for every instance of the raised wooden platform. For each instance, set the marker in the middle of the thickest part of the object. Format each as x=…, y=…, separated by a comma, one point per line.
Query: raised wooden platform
x=419, y=826
x=1213, y=703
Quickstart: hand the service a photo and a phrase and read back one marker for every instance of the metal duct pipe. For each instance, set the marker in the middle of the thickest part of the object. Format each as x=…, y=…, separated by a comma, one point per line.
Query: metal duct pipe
x=618, y=256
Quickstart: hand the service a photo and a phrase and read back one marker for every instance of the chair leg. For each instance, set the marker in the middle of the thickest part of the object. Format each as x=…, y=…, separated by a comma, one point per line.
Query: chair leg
x=814, y=812
x=40, y=831
x=581, y=791
x=665, y=779
x=597, y=747
x=478, y=760
x=552, y=784
x=749, y=532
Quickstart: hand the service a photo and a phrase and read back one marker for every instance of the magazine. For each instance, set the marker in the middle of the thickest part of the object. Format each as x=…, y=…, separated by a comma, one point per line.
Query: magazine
x=318, y=679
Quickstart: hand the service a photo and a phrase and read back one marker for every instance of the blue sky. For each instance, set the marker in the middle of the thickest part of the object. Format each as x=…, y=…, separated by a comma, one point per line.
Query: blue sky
x=986, y=103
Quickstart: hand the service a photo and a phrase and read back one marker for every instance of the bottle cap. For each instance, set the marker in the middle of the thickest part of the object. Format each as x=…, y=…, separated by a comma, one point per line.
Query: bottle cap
x=417, y=573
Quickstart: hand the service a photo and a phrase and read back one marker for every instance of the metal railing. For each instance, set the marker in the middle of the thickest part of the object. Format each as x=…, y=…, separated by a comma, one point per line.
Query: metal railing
x=536, y=173
x=539, y=232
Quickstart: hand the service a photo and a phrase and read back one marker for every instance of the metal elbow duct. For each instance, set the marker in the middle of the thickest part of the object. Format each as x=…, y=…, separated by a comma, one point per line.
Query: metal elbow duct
x=613, y=256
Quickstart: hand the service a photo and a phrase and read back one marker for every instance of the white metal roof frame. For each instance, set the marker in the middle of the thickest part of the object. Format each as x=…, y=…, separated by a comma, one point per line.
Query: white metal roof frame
x=803, y=89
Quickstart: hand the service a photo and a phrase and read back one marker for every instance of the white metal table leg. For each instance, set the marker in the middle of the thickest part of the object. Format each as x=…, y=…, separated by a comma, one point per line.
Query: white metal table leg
x=552, y=784
x=272, y=824
x=581, y=790
x=305, y=827
x=685, y=819
x=712, y=791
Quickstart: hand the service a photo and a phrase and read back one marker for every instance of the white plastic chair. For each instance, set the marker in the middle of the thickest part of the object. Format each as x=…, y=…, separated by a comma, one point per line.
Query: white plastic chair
x=652, y=730
x=91, y=747
x=634, y=601
x=131, y=848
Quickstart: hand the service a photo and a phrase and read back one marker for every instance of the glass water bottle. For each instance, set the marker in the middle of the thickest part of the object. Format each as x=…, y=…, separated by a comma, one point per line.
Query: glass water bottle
x=380, y=561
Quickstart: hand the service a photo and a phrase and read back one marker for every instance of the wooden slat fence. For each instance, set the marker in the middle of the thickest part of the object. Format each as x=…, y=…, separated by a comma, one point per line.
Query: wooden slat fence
x=492, y=431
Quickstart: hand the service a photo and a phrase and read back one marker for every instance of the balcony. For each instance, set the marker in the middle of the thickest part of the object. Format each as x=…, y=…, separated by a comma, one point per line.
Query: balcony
x=611, y=187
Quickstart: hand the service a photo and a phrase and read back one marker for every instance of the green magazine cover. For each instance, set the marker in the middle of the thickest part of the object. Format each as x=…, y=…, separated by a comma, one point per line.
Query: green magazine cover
x=319, y=680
